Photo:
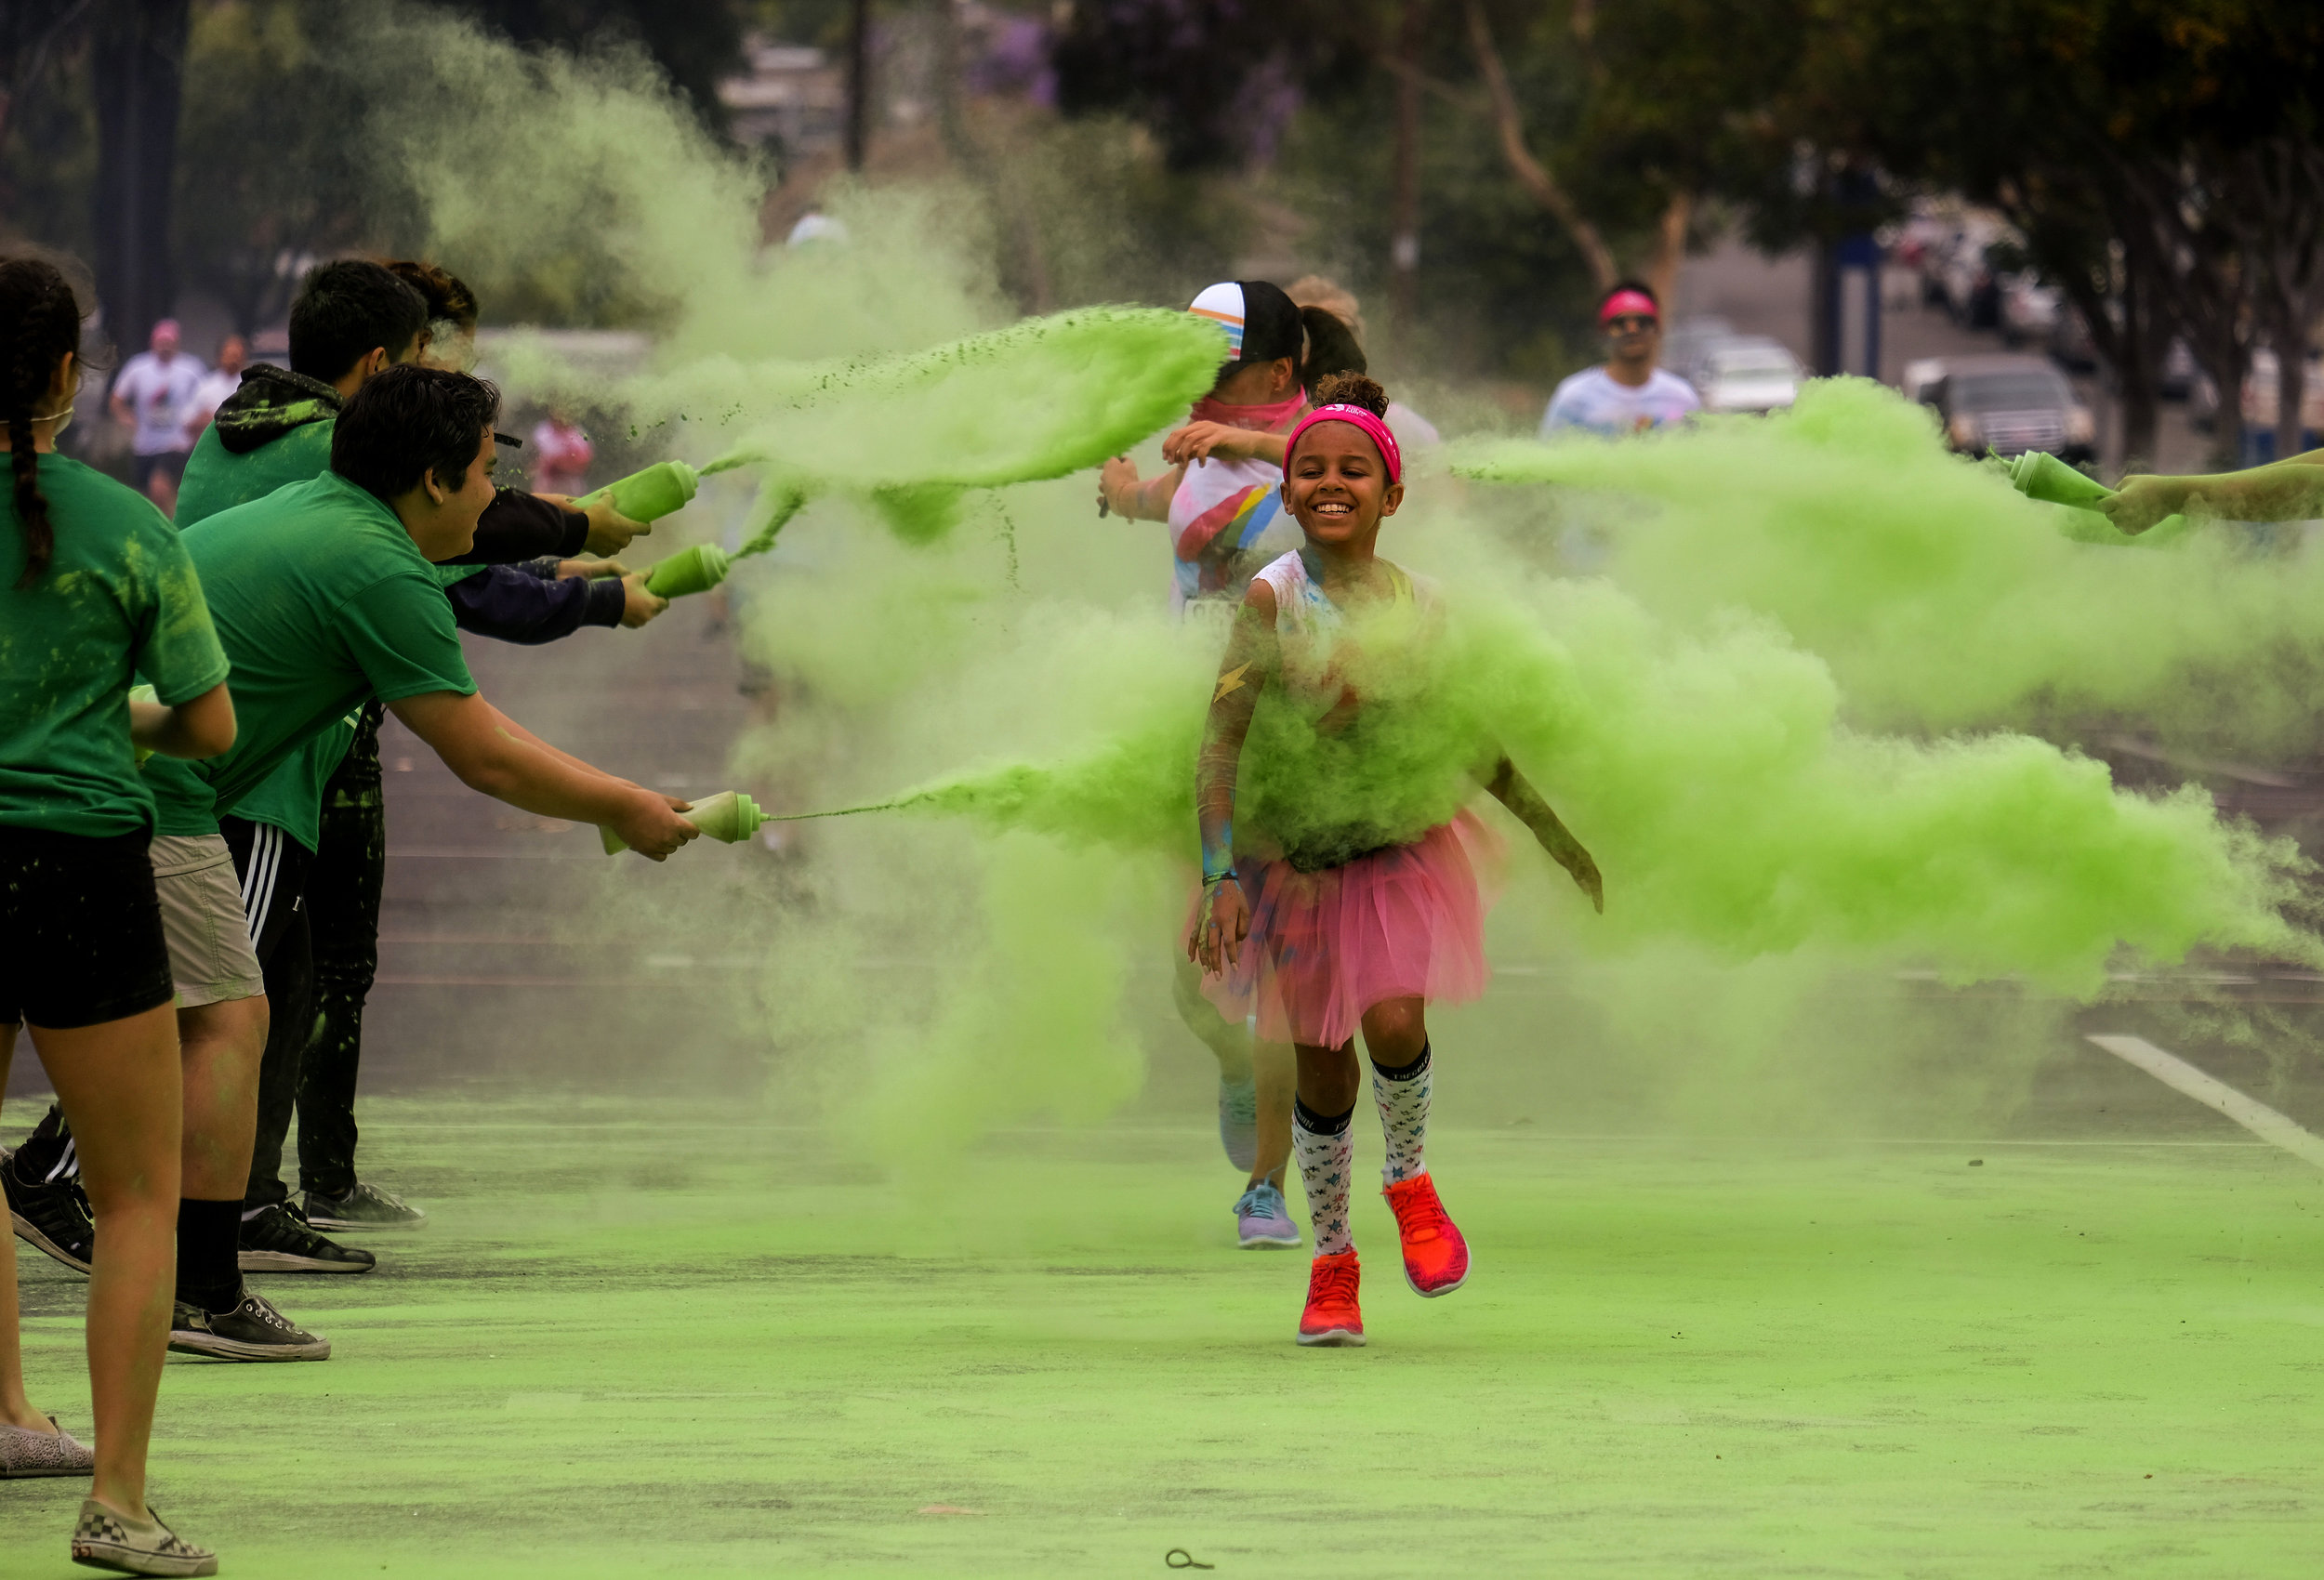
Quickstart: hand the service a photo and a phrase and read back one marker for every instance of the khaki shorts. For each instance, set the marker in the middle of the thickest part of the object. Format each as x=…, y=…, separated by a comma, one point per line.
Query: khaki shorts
x=211, y=959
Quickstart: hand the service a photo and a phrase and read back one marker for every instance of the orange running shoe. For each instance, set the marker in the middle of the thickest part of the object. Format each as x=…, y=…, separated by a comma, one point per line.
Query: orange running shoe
x=1435, y=1256
x=1332, y=1316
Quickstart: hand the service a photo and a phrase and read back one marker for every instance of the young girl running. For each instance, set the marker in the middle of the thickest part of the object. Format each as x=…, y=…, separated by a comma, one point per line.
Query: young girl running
x=1222, y=499
x=95, y=589
x=1334, y=930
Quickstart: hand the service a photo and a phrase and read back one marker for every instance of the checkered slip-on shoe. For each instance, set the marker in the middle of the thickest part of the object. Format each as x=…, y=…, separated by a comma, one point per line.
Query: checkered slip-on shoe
x=42, y=1453
x=104, y=1539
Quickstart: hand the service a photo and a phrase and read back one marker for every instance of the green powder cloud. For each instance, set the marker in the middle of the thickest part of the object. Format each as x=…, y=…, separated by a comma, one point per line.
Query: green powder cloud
x=1940, y=596
x=1712, y=777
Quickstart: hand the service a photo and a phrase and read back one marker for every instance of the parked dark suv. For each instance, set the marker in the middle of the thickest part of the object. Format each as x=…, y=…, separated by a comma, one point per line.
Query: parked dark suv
x=2010, y=405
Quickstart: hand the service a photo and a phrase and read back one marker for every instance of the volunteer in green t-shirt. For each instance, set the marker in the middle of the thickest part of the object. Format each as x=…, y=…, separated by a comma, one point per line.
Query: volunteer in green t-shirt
x=353, y=317
x=324, y=598
x=95, y=591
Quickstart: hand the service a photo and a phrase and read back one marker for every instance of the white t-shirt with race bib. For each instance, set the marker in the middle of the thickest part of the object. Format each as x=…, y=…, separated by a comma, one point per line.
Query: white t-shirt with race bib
x=162, y=395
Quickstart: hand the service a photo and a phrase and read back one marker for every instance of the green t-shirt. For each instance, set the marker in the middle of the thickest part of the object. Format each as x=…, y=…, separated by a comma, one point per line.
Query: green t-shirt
x=218, y=480
x=322, y=600
x=119, y=600
x=291, y=798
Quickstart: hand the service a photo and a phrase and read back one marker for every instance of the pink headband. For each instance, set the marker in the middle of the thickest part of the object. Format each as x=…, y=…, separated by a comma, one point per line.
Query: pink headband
x=1374, y=430
x=1628, y=302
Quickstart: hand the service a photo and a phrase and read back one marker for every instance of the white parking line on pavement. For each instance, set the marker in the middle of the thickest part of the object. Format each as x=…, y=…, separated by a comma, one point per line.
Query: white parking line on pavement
x=2181, y=1077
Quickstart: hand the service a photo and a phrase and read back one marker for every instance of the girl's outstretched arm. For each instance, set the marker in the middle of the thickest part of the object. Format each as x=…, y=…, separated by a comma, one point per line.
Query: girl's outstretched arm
x=1223, y=921
x=2290, y=490
x=1510, y=788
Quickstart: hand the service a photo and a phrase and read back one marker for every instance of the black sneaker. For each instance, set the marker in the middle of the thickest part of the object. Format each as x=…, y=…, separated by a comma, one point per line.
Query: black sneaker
x=277, y=1240
x=365, y=1206
x=254, y=1330
x=55, y=1218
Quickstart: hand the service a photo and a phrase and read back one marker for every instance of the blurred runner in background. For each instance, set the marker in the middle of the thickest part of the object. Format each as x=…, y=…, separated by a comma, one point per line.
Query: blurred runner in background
x=562, y=454
x=217, y=384
x=152, y=394
x=1413, y=431
x=1629, y=394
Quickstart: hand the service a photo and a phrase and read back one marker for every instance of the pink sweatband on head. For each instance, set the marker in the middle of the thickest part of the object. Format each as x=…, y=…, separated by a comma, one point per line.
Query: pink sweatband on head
x=1374, y=430
x=1625, y=302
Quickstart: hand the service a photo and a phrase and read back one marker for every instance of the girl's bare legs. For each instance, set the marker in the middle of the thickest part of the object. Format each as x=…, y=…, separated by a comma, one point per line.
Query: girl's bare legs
x=1331, y=1082
x=1274, y=1066
x=1330, y=1079
x=1243, y=1057
x=119, y=1086
x=14, y=1409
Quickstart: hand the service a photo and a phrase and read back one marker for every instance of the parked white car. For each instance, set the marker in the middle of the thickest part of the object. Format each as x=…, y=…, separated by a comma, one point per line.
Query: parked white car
x=1748, y=373
x=2030, y=308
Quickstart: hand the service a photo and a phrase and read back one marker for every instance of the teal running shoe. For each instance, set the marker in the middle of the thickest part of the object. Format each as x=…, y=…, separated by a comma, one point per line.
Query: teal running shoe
x=1261, y=1218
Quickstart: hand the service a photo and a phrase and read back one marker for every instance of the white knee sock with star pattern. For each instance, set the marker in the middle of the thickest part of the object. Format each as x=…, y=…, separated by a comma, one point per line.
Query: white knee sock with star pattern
x=1326, y=1148
x=1402, y=1101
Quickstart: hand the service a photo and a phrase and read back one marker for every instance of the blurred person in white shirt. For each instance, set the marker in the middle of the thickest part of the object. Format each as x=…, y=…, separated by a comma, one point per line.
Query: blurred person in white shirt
x=151, y=395
x=216, y=384
x=1628, y=394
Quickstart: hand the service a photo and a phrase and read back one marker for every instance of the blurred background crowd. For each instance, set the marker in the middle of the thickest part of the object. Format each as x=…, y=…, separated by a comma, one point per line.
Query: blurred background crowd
x=2089, y=226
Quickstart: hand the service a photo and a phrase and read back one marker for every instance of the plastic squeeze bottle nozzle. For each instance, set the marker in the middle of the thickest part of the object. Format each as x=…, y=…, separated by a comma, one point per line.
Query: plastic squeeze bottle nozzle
x=648, y=496
x=2039, y=475
x=729, y=816
x=689, y=570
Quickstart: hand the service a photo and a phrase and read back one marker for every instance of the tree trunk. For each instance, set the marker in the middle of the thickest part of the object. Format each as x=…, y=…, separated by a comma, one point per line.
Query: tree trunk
x=1404, y=201
x=138, y=55
x=858, y=81
x=1532, y=175
x=1662, y=270
x=2138, y=375
x=2292, y=367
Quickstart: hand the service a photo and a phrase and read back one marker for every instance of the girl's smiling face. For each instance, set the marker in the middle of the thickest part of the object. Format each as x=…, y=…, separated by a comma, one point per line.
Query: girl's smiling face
x=1337, y=485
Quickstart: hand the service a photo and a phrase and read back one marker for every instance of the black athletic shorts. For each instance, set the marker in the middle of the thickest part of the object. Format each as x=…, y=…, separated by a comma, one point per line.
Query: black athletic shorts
x=80, y=930
x=170, y=462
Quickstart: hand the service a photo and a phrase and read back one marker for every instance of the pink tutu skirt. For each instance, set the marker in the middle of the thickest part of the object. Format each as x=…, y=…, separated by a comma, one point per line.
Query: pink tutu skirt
x=1405, y=922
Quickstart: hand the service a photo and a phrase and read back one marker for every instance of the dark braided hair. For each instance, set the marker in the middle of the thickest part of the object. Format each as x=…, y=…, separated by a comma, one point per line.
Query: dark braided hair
x=40, y=321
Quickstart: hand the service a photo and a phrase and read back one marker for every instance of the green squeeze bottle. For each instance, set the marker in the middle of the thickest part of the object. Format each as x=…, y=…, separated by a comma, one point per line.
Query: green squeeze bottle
x=731, y=816
x=689, y=570
x=2039, y=475
x=658, y=491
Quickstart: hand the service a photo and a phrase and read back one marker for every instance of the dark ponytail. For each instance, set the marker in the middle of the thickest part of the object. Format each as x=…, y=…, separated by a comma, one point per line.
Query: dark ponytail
x=40, y=322
x=1331, y=347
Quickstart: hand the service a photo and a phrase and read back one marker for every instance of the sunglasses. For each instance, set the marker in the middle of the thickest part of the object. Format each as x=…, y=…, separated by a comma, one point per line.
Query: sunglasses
x=1629, y=323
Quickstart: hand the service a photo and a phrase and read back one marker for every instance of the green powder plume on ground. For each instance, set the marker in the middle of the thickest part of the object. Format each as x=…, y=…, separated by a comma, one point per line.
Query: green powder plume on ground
x=1940, y=596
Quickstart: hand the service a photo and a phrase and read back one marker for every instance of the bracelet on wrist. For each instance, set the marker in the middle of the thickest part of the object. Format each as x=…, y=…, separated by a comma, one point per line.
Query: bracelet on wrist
x=1209, y=880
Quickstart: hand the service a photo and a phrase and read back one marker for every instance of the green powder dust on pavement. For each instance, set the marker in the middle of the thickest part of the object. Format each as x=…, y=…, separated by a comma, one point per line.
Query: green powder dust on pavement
x=707, y=1349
